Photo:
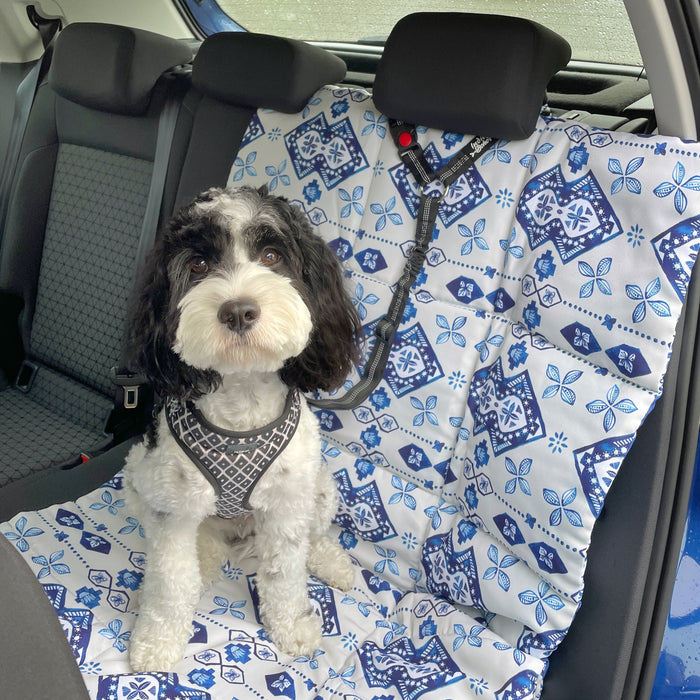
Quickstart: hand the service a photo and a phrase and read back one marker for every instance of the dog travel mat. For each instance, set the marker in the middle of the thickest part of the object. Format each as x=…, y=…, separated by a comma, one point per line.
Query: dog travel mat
x=532, y=347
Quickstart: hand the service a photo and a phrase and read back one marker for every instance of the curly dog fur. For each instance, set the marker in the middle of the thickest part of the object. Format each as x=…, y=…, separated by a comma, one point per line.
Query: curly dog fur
x=238, y=303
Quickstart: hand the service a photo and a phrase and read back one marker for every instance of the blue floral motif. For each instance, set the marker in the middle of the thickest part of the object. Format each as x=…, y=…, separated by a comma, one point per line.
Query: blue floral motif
x=675, y=188
x=597, y=278
x=659, y=307
x=497, y=151
x=561, y=385
x=354, y=201
x=450, y=332
x=387, y=561
x=482, y=346
x=234, y=608
x=610, y=405
x=403, y=493
x=473, y=238
x=529, y=161
x=515, y=250
x=22, y=532
x=376, y=123
x=385, y=212
x=277, y=175
x=632, y=184
x=435, y=512
x=567, y=498
x=107, y=502
x=113, y=631
x=245, y=168
x=425, y=412
x=540, y=599
x=497, y=571
x=558, y=442
x=360, y=300
x=473, y=638
x=50, y=565
x=519, y=475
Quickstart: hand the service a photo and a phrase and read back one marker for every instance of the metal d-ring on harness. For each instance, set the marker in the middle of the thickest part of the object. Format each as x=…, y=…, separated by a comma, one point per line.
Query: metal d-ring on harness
x=433, y=188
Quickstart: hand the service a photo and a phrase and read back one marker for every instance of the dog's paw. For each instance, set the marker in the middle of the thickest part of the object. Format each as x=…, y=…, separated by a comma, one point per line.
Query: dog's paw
x=301, y=638
x=344, y=575
x=155, y=650
x=331, y=563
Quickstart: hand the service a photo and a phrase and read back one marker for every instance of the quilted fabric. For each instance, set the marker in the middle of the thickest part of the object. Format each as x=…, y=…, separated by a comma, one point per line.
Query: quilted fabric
x=532, y=347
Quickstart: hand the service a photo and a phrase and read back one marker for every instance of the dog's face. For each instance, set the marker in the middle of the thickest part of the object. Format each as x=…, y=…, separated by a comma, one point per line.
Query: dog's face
x=238, y=286
x=240, y=282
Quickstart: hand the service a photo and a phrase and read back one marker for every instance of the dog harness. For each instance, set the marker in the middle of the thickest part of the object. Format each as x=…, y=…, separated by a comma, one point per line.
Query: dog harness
x=233, y=462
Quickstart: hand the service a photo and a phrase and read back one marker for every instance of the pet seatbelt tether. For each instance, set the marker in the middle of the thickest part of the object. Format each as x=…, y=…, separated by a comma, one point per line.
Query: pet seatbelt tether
x=433, y=187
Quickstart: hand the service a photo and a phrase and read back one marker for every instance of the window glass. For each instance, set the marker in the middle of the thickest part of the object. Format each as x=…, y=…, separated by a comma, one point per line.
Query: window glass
x=598, y=30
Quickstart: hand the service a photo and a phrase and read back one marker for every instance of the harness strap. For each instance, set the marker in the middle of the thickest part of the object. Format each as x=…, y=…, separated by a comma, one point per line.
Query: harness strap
x=232, y=462
x=433, y=187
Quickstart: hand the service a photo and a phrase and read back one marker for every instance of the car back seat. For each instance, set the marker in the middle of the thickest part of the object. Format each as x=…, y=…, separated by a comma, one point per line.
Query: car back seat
x=280, y=74
x=72, y=235
x=470, y=537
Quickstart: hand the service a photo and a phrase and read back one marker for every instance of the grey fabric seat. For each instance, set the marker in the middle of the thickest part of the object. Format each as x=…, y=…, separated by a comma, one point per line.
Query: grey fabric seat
x=72, y=233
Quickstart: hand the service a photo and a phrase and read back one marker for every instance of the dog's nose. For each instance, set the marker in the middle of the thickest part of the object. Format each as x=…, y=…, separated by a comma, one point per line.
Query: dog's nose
x=239, y=315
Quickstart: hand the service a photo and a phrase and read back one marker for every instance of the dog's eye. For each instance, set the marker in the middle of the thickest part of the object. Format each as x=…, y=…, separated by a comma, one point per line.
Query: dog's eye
x=199, y=266
x=270, y=257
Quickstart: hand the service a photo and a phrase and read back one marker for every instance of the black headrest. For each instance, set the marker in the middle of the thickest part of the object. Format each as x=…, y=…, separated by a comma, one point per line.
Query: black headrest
x=468, y=73
x=112, y=68
x=258, y=70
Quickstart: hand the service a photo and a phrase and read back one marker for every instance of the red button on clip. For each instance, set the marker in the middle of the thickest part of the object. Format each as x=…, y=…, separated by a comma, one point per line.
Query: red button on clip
x=405, y=139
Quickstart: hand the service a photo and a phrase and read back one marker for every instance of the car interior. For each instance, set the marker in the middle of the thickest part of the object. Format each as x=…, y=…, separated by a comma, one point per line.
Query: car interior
x=554, y=557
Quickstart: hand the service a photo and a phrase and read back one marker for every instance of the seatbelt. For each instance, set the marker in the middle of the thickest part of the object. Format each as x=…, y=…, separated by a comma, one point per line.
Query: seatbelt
x=24, y=97
x=128, y=383
x=433, y=186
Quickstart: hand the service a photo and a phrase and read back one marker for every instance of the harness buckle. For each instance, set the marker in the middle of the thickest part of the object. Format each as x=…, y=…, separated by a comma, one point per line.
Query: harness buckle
x=435, y=189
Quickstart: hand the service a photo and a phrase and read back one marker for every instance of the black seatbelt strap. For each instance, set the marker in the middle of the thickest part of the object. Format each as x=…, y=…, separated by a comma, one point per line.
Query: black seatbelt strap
x=433, y=187
x=127, y=383
x=24, y=97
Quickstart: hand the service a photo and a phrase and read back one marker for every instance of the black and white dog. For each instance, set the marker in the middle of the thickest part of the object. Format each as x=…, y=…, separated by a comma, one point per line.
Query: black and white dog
x=240, y=307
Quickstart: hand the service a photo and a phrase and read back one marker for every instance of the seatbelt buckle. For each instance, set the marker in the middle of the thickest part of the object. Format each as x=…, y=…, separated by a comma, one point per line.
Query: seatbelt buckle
x=130, y=383
x=26, y=375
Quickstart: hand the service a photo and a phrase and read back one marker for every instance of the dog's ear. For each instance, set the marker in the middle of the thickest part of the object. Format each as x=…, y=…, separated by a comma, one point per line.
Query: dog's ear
x=263, y=190
x=334, y=345
x=152, y=324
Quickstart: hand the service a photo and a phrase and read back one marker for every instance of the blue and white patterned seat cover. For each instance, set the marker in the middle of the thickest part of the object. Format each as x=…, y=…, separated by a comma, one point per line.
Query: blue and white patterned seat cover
x=530, y=352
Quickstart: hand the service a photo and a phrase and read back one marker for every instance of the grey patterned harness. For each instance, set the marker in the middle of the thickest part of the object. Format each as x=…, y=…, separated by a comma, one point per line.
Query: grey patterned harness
x=233, y=462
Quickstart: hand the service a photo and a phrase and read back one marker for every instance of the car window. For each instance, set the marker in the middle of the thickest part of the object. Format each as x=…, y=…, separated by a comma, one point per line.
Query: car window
x=598, y=30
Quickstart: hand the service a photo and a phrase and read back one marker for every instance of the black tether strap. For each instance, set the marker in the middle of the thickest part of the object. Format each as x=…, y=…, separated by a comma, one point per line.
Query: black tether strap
x=433, y=188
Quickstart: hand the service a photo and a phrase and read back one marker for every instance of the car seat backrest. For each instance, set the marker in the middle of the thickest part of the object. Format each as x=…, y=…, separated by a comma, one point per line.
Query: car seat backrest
x=80, y=194
x=536, y=337
x=233, y=74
